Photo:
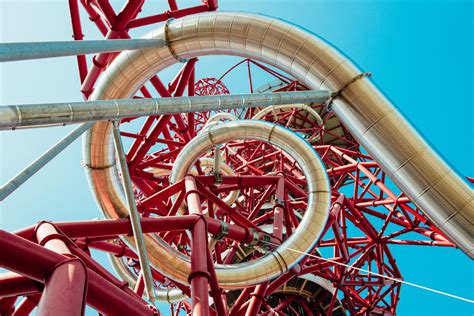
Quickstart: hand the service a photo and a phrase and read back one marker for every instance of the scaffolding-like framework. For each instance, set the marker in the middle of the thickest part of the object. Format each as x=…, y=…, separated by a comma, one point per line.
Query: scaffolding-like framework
x=243, y=199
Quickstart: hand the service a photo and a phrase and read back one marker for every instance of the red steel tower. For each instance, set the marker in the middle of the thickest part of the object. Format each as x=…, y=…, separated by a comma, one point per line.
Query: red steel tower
x=281, y=201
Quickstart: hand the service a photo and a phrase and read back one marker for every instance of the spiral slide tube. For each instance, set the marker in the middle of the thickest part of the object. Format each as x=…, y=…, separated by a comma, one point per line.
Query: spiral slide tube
x=404, y=156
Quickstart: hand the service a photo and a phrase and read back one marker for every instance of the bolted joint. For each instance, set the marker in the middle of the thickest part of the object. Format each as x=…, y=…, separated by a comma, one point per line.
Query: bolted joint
x=264, y=244
x=255, y=237
x=223, y=231
x=155, y=310
x=217, y=177
x=199, y=218
x=279, y=202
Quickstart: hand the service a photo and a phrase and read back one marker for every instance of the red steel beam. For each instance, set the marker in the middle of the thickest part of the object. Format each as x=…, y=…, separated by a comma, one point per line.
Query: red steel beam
x=78, y=36
x=7, y=305
x=199, y=276
x=25, y=307
x=35, y=262
x=13, y=284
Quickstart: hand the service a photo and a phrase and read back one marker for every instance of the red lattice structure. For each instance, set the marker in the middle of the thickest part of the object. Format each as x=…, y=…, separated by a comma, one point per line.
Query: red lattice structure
x=261, y=192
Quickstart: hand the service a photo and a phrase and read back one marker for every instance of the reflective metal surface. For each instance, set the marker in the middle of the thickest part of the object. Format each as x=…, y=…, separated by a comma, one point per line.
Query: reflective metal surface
x=48, y=114
x=370, y=117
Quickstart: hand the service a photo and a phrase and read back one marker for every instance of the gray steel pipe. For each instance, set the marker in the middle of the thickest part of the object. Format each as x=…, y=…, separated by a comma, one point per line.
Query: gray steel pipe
x=30, y=115
x=40, y=50
x=134, y=215
x=15, y=182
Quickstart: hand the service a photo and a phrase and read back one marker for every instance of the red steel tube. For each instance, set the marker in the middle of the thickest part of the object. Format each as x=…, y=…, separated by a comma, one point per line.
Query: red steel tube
x=114, y=227
x=12, y=284
x=167, y=15
x=216, y=291
x=199, y=276
x=101, y=295
x=212, y=4
x=140, y=285
x=76, y=251
x=78, y=36
x=107, y=10
x=278, y=214
x=68, y=282
x=240, y=301
x=94, y=17
x=7, y=305
x=27, y=305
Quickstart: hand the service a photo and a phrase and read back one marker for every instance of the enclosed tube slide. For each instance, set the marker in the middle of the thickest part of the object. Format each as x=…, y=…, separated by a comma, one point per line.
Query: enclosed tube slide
x=176, y=265
x=401, y=152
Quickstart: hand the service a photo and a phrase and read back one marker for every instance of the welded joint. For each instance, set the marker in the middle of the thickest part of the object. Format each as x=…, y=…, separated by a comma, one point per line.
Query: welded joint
x=217, y=177
x=336, y=94
x=258, y=296
x=200, y=217
x=209, y=135
x=189, y=192
x=123, y=249
x=168, y=42
x=271, y=132
x=194, y=274
x=72, y=259
x=279, y=202
x=279, y=259
x=54, y=236
x=90, y=167
x=20, y=116
x=264, y=244
x=59, y=235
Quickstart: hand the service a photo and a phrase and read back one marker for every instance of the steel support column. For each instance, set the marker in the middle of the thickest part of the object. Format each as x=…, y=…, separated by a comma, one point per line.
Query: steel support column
x=14, y=183
x=199, y=277
x=278, y=215
x=134, y=216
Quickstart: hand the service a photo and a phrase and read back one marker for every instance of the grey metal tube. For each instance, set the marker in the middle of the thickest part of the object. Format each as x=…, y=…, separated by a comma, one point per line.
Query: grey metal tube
x=29, y=115
x=15, y=182
x=134, y=216
x=40, y=50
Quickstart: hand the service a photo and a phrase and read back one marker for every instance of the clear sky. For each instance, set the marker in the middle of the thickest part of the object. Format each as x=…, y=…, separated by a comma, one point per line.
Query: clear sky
x=420, y=54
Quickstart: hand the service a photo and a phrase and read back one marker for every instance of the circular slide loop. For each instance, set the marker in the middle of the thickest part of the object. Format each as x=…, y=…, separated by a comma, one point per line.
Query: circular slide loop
x=316, y=213
x=269, y=40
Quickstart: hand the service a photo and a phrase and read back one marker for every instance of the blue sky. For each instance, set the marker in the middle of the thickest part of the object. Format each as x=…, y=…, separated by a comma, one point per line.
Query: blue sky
x=420, y=54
